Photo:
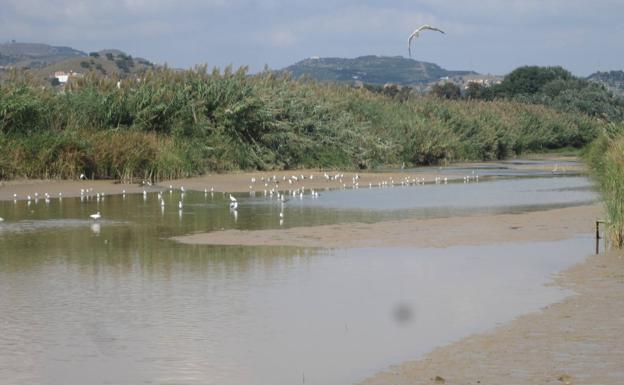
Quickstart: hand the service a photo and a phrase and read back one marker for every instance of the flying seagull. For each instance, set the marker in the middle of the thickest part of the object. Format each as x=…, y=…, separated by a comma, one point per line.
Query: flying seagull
x=415, y=34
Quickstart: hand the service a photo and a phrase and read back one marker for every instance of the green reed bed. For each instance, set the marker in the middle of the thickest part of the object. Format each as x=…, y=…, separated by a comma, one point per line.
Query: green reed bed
x=606, y=159
x=171, y=124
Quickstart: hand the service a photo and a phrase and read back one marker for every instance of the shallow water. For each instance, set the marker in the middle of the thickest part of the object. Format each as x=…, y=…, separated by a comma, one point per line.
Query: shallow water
x=499, y=195
x=116, y=302
x=506, y=168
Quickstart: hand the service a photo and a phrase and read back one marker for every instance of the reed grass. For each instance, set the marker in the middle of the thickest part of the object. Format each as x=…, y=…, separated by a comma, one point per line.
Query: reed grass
x=606, y=159
x=179, y=123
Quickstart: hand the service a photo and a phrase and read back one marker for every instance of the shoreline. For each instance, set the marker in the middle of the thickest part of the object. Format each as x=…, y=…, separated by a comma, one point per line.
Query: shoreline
x=239, y=182
x=575, y=341
x=478, y=229
x=231, y=182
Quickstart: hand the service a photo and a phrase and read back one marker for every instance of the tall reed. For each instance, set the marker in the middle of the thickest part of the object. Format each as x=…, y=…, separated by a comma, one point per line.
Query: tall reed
x=170, y=124
x=606, y=159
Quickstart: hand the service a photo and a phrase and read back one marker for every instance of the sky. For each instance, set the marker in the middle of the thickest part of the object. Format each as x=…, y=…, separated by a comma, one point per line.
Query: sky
x=487, y=36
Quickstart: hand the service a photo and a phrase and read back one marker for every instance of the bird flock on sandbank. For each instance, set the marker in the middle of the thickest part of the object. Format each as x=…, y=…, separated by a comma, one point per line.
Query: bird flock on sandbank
x=281, y=189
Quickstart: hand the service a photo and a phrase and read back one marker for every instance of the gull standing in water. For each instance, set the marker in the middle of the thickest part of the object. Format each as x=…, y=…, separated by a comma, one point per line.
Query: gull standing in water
x=233, y=203
x=416, y=33
x=95, y=216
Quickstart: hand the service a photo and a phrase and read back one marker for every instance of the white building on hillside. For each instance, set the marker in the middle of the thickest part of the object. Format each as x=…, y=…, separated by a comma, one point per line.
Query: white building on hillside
x=61, y=76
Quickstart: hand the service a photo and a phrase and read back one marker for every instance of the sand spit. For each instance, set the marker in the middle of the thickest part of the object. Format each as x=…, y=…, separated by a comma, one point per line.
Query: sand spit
x=441, y=232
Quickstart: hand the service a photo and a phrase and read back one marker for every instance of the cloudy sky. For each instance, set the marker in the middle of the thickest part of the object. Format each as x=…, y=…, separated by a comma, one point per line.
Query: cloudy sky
x=488, y=36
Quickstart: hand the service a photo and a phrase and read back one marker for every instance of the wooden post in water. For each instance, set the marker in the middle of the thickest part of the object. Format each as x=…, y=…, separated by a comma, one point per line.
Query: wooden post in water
x=597, y=237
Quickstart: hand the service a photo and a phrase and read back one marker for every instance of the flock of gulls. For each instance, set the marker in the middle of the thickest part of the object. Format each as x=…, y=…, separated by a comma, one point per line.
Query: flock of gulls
x=282, y=189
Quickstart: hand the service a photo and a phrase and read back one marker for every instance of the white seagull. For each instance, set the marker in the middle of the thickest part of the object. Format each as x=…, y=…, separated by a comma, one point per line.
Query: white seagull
x=95, y=216
x=416, y=33
x=233, y=203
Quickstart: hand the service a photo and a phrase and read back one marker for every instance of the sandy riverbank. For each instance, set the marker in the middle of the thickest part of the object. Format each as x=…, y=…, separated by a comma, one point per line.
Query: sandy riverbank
x=234, y=182
x=440, y=232
x=577, y=341
x=242, y=181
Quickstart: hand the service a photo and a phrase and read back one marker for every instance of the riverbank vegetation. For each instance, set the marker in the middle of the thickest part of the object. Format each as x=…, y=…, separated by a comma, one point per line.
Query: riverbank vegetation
x=606, y=159
x=179, y=123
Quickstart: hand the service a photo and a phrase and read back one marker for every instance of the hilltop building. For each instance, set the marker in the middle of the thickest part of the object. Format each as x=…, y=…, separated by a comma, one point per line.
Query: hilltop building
x=63, y=76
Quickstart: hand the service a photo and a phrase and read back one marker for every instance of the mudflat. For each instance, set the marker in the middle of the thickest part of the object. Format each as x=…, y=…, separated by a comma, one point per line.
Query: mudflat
x=546, y=225
x=577, y=341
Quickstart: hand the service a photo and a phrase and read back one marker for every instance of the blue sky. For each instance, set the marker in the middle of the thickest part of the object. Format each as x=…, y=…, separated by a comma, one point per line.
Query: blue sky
x=488, y=36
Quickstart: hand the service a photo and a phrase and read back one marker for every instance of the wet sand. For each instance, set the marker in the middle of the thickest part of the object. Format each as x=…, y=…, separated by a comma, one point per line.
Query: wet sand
x=577, y=341
x=234, y=182
x=546, y=225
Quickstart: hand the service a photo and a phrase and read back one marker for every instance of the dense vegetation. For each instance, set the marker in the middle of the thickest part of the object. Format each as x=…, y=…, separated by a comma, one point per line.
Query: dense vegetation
x=177, y=123
x=612, y=80
x=557, y=88
x=606, y=159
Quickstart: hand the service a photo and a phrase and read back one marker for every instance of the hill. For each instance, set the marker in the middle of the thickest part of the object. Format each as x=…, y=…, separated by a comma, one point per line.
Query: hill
x=105, y=62
x=43, y=60
x=613, y=80
x=372, y=70
x=34, y=55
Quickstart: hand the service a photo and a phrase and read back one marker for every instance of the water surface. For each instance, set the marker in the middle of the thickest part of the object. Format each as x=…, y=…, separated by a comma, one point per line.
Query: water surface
x=116, y=302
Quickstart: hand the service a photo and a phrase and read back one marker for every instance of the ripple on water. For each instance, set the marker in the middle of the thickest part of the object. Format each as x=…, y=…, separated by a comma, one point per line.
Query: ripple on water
x=24, y=226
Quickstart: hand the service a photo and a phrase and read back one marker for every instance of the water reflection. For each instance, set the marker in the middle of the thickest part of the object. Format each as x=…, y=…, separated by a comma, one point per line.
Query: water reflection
x=96, y=228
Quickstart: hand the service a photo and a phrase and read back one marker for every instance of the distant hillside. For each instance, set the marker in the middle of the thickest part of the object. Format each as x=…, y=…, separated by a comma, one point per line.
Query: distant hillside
x=106, y=62
x=613, y=80
x=34, y=55
x=372, y=70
